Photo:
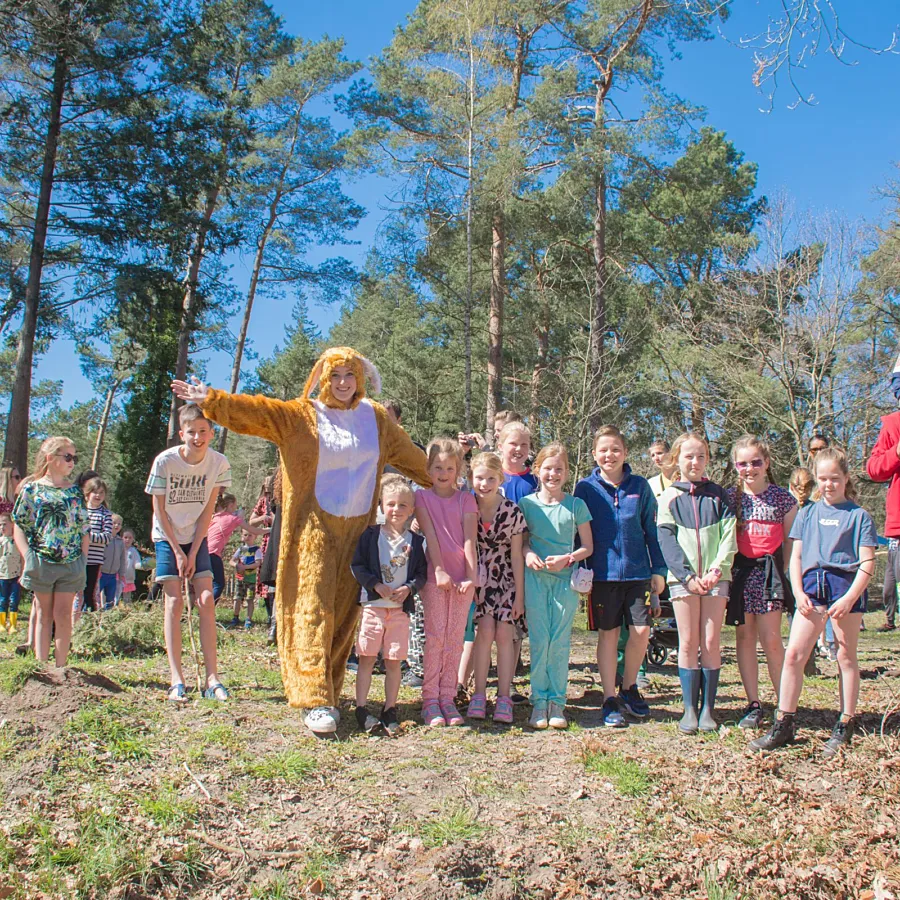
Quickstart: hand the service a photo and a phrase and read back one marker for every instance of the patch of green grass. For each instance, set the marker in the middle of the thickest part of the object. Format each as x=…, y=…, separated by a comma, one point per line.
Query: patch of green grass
x=7, y=743
x=167, y=809
x=290, y=765
x=630, y=778
x=572, y=835
x=221, y=735
x=320, y=864
x=278, y=887
x=454, y=823
x=108, y=725
x=718, y=888
x=7, y=851
x=15, y=672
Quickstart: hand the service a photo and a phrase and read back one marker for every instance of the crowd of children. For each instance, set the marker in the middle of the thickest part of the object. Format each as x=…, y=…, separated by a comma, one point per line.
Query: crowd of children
x=492, y=545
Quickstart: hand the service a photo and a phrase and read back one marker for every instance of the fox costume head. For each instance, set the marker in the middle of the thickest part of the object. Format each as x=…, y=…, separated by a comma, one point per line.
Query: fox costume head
x=322, y=371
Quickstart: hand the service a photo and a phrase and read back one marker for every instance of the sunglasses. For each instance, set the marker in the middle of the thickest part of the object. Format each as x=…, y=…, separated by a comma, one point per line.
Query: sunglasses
x=68, y=457
x=753, y=464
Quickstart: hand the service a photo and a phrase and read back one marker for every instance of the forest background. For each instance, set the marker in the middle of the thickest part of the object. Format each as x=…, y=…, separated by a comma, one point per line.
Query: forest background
x=558, y=231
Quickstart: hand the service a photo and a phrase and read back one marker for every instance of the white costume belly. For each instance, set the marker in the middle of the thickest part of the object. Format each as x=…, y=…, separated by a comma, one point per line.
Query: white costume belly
x=348, y=459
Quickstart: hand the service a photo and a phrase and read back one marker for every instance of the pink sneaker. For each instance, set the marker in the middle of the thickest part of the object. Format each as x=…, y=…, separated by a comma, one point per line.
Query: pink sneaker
x=431, y=715
x=503, y=711
x=451, y=713
x=477, y=706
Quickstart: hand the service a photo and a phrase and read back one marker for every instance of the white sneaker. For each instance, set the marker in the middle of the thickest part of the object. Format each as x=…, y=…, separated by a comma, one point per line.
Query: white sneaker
x=539, y=718
x=322, y=719
x=557, y=717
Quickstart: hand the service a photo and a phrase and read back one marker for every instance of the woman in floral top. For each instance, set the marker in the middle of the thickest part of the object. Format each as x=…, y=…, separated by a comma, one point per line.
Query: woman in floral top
x=51, y=533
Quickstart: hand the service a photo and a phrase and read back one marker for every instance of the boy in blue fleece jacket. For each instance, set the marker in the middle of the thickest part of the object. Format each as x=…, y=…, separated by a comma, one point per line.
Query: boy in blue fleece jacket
x=629, y=569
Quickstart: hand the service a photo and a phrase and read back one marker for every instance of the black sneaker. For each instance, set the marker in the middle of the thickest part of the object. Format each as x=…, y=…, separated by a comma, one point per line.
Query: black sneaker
x=234, y=623
x=888, y=626
x=841, y=735
x=389, y=720
x=779, y=735
x=753, y=717
x=366, y=721
x=517, y=698
x=410, y=679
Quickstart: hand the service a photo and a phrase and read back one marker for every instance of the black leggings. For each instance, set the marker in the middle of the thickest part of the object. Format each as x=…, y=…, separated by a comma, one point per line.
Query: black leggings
x=90, y=587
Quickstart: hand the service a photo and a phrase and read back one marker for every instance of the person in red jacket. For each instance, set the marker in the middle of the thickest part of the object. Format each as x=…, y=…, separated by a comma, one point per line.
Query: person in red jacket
x=883, y=464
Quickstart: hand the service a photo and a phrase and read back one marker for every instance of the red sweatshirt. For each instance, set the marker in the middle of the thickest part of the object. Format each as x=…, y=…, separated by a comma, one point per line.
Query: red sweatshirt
x=884, y=465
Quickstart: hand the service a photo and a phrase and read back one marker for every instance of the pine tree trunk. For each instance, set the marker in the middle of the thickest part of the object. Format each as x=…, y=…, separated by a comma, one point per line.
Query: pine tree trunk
x=495, y=322
x=189, y=308
x=543, y=353
x=16, y=449
x=104, y=424
x=248, y=309
x=598, y=316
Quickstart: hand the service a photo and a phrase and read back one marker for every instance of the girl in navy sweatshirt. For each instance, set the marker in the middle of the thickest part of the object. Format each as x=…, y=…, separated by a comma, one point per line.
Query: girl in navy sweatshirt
x=629, y=569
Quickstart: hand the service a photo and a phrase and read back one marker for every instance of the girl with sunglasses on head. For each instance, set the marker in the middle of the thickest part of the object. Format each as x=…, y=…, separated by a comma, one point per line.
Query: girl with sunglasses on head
x=760, y=590
x=52, y=534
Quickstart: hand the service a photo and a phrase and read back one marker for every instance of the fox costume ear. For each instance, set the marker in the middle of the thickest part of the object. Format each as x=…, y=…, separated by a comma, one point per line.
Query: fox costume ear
x=372, y=374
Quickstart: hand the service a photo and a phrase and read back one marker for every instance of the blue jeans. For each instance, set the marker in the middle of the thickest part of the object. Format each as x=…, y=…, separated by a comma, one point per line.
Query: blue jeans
x=9, y=595
x=107, y=584
x=218, y=570
x=167, y=566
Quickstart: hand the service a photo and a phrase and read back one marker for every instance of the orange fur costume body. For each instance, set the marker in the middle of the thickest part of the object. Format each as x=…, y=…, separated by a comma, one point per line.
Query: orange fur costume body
x=332, y=457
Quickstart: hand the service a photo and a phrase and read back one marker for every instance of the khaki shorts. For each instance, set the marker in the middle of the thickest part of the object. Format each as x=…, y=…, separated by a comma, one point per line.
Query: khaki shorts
x=45, y=577
x=383, y=629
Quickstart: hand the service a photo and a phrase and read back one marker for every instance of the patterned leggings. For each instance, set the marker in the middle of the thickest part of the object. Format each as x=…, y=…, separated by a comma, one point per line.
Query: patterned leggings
x=416, y=656
x=445, y=627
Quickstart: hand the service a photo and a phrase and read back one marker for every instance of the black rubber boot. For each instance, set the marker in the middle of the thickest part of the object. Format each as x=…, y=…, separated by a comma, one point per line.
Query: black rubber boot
x=690, y=695
x=710, y=688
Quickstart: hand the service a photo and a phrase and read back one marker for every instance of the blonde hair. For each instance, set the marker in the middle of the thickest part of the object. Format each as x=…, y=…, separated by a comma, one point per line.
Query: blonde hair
x=609, y=431
x=489, y=461
x=514, y=427
x=6, y=491
x=839, y=458
x=393, y=483
x=748, y=442
x=449, y=447
x=679, y=442
x=49, y=448
x=550, y=450
x=802, y=484
x=118, y=520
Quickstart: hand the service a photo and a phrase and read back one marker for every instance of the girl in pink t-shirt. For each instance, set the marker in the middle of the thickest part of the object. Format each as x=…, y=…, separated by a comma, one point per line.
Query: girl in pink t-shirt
x=225, y=521
x=760, y=590
x=448, y=519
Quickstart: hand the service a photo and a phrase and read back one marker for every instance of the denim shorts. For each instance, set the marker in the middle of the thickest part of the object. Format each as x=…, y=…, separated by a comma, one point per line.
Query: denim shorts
x=167, y=566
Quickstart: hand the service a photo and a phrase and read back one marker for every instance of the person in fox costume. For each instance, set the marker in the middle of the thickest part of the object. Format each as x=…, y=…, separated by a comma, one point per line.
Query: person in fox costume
x=333, y=450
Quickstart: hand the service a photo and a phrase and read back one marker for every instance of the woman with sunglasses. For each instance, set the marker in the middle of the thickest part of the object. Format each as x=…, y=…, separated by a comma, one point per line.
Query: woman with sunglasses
x=760, y=590
x=52, y=534
x=9, y=484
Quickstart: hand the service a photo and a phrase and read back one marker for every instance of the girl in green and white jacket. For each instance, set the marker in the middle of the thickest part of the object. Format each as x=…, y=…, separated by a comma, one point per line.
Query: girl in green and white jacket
x=698, y=538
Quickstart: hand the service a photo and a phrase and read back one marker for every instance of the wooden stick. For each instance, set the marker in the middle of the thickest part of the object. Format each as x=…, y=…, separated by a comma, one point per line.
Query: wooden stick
x=186, y=596
x=197, y=781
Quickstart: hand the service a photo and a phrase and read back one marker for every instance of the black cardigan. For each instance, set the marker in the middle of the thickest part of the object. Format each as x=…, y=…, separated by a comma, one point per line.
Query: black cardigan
x=366, y=566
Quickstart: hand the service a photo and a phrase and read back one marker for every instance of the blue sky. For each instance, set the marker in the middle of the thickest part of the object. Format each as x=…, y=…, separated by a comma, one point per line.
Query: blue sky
x=833, y=155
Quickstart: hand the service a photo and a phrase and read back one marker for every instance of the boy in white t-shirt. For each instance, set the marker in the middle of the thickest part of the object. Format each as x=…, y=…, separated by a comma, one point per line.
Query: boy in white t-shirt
x=185, y=482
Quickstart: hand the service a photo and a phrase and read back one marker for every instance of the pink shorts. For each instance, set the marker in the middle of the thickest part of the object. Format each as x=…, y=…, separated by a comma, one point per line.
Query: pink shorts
x=383, y=629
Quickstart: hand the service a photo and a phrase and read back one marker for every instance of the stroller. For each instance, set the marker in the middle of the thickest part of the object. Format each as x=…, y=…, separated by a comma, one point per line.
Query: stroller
x=663, y=636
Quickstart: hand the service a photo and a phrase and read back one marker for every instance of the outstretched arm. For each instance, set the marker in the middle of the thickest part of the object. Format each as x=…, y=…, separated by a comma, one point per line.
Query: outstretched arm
x=261, y=416
x=404, y=455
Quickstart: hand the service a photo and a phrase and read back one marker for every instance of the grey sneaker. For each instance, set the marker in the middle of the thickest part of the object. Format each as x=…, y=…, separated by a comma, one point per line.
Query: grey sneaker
x=779, y=735
x=557, y=718
x=753, y=717
x=539, y=717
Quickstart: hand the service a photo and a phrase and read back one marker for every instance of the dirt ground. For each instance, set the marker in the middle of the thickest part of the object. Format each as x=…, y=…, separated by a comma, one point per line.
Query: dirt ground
x=106, y=791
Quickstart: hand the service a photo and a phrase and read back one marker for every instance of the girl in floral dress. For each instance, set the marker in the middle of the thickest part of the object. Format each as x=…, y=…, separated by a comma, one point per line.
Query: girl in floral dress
x=760, y=589
x=500, y=596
